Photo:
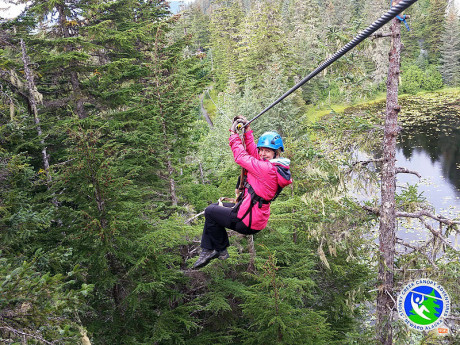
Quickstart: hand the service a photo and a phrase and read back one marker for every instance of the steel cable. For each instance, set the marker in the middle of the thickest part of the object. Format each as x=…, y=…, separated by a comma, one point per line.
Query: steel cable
x=384, y=19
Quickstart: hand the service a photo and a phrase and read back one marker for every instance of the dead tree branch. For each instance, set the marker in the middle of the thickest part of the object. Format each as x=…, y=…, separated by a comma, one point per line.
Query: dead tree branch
x=194, y=217
x=400, y=170
x=380, y=35
x=373, y=210
x=437, y=234
x=22, y=334
x=421, y=249
x=426, y=213
x=366, y=162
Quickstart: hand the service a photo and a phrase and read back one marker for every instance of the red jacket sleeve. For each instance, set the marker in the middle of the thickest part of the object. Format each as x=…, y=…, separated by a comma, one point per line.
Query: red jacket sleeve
x=251, y=147
x=253, y=165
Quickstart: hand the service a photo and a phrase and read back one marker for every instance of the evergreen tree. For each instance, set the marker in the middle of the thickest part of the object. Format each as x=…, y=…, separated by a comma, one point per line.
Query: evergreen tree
x=129, y=162
x=109, y=165
x=435, y=24
x=302, y=27
x=378, y=49
x=450, y=50
x=224, y=26
x=275, y=307
x=261, y=39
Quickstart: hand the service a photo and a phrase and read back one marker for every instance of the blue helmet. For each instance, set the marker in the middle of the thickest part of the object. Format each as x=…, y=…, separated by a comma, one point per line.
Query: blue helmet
x=271, y=140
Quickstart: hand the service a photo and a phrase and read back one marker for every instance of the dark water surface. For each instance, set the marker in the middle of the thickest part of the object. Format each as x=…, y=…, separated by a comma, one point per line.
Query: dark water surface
x=430, y=144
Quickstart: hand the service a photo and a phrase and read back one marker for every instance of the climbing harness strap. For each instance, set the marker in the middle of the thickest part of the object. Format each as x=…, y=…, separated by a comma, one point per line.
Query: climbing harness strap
x=255, y=200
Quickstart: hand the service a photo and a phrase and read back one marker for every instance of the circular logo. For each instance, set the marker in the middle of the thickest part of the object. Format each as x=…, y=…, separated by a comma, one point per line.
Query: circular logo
x=423, y=304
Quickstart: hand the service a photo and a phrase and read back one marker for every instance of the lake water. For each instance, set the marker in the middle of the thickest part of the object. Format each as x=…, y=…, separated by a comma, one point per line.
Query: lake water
x=429, y=143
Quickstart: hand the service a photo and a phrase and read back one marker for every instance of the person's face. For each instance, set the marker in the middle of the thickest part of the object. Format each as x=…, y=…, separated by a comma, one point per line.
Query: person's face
x=266, y=154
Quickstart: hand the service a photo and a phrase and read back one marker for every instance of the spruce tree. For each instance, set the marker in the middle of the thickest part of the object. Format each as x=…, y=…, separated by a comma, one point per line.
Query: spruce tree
x=450, y=50
x=261, y=38
x=224, y=25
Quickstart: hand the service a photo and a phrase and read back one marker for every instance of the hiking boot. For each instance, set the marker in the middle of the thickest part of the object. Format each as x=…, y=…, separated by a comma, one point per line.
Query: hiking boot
x=223, y=254
x=205, y=257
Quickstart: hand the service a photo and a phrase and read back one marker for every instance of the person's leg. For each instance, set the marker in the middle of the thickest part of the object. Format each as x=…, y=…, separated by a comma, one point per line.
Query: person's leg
x=243, y=229
x=217, y=218
x=214, y=240
x=238, y=226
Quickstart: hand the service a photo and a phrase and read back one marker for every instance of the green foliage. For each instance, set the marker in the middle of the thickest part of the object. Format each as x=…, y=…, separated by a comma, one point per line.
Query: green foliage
x=450, y=48
x=38, y=307
x=223, y=29
x=277, y=310
x=412, y=79
x=410, y=198
x=415, y=79
x=131, y=161
x=432, y=80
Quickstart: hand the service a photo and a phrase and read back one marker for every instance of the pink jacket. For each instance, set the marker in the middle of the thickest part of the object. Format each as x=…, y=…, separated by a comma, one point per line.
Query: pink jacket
x=263, y=176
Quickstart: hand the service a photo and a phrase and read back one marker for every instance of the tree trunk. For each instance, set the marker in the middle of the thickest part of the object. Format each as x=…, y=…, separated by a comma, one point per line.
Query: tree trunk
x=33, y=106
x=167, y=147
x=385, y=299
x=12, y=110
x=252, y=255
x=169, y=165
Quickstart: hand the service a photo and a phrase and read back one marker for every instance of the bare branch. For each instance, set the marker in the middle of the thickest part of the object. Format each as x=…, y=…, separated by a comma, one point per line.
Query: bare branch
x=380, y=35
x=190, y=219
x=378, y=160
x=405, y=244
x=400, y=170
x=28, y=335
x=417, y=249
x=438, y=234
x=452, y=317
x=428, y=214
x=63, y=163
x=373, y=210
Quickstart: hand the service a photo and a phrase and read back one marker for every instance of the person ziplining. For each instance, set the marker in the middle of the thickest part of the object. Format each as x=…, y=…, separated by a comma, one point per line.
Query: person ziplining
x=266, y=174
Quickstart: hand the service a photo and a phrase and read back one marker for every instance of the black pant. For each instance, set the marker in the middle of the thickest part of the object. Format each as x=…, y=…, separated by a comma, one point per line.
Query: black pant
x=217, y=218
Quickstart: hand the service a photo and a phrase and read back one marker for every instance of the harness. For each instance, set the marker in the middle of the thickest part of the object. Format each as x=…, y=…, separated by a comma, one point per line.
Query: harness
x=255, y=200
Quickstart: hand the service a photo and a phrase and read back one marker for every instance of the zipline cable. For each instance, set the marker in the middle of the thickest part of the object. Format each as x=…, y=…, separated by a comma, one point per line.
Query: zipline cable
x=393, y=12
x=209, y=95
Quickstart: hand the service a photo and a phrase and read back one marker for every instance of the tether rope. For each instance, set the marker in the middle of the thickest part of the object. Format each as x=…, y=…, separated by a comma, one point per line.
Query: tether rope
x=393, y=12
x=209, y=95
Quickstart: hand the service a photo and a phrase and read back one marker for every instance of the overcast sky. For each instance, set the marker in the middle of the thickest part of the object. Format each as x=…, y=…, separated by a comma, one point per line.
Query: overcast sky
x=10, y=11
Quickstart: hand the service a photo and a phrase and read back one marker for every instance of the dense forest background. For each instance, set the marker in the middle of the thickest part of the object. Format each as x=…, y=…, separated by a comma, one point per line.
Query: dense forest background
x=105, y=158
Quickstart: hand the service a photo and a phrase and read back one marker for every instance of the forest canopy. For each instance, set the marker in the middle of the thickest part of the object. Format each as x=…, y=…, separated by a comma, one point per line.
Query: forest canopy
x=106, y=159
